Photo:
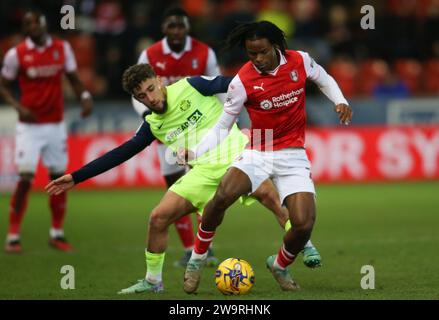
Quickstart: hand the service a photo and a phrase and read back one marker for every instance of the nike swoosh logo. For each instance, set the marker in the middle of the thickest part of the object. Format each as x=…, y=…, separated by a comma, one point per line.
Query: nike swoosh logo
x=160, y=126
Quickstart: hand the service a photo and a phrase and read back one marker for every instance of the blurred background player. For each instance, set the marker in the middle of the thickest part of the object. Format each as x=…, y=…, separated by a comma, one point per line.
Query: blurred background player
x=176, y=56
x=38, y=63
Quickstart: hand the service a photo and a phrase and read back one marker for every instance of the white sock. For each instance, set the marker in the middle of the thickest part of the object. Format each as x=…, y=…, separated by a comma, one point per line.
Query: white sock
x=198, y=256
x=153, y=278
x=12, y=237
x=54, y=233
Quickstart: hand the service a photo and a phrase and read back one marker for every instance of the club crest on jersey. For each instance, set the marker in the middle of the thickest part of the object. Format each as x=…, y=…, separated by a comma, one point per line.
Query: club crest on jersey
x=55, y=55
x=266, y=104
x=194, y=63
x=28, y=58
x=184, y=105
x=294, y=75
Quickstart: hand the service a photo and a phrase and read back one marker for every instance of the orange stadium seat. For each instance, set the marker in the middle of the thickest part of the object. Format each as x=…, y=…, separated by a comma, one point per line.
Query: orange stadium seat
x=372, y=72
x=345, y=73
x=431, y=74
x=410, y=72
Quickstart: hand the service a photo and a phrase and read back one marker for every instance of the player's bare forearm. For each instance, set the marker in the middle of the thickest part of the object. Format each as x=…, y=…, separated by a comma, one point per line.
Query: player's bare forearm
x=83, y=95
x=6, y=94
x=76, y=83
x=345, y=113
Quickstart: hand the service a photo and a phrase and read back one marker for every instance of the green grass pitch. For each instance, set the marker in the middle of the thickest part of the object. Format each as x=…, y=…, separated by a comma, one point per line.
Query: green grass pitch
x=394, y=227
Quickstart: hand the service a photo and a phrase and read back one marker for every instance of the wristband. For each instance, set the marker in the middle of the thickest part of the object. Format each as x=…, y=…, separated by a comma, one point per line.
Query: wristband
x=85, y=95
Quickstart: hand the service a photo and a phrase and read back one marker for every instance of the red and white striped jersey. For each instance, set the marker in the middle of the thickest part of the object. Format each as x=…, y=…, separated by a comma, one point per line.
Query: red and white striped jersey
x=39, y=71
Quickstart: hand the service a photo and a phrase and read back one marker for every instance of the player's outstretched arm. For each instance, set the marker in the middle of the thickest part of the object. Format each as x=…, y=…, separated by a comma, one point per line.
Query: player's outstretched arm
x=60, y=185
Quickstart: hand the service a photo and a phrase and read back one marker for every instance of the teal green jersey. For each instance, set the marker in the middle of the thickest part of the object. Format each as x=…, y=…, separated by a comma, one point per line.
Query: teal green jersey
x=188, y=118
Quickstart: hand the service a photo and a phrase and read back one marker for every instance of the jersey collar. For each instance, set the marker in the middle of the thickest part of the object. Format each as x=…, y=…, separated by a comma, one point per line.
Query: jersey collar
x=167, y=49
x=31, y=45
x=283, y=60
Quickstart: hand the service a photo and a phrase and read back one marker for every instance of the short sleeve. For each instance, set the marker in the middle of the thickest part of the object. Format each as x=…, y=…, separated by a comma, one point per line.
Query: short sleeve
x=70, y=61
x=10, y=65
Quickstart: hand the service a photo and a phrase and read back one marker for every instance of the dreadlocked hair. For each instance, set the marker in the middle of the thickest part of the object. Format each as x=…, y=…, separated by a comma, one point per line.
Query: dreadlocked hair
x=256, y=30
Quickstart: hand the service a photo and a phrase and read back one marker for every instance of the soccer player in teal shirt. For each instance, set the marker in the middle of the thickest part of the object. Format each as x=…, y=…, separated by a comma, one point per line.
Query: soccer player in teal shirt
x=182, y=114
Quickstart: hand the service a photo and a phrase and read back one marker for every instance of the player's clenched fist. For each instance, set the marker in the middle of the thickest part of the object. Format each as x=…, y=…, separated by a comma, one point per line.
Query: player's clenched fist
x=58, y=186
x=184, y=156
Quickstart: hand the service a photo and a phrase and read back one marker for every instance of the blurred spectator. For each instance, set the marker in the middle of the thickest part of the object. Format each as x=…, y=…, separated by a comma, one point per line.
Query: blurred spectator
x=210, y=24
x=113, y=72
x=339, y=31
x=405, y=29
x=110, y=26
x=109, y=18
x=308, y=28
x=277, y=12
x=241, y=11
x=391, y=87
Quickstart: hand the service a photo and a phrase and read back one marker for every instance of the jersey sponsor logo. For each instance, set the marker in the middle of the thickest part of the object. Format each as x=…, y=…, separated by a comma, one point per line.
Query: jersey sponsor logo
x=161, y=65
x=184, y=105
x=43, y=71
x=195, y=117
x=261, y=87
x=191, y=121
x=294, y=75
x=266, y=104
x=282, y=100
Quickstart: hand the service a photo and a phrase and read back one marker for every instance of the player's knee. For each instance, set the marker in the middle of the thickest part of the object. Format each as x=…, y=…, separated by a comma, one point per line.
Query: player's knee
x=304, y=224
x=158, y=220
x=222, y=199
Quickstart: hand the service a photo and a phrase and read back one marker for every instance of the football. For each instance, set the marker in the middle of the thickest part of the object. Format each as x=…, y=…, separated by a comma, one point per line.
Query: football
x=234, y=276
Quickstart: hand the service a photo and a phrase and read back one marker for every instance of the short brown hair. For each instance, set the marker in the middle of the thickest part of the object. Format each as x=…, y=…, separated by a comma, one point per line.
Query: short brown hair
x=136, y=74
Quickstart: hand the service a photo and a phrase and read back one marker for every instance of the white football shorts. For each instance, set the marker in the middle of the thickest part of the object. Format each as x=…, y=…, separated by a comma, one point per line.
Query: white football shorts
x=47, y=140
x=289, y=169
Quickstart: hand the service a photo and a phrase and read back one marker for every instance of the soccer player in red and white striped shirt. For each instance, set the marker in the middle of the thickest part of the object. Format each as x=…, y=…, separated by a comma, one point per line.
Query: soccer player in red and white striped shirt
x=38, y=63
x=271, y=86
